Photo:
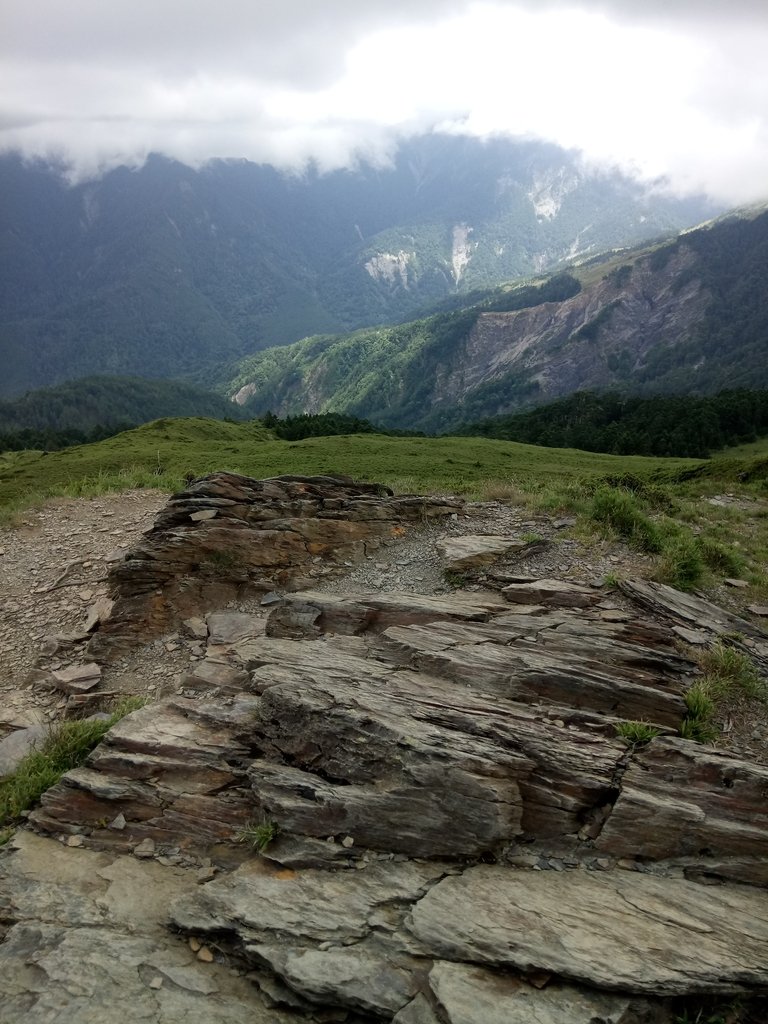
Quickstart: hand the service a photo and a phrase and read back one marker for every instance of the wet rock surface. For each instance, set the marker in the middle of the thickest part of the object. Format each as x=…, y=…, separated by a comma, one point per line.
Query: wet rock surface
x=405, y=803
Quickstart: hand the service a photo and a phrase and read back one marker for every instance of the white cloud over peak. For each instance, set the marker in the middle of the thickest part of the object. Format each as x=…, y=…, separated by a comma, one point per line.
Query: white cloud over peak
x=667, y=88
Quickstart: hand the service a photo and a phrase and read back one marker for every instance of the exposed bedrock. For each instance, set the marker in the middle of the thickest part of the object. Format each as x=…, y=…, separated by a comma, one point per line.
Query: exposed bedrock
x=451, y=828
x=227, y=535
x=455, y=813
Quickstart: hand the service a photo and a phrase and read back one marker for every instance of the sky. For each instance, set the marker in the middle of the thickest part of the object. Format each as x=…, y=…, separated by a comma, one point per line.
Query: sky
x=667, y=88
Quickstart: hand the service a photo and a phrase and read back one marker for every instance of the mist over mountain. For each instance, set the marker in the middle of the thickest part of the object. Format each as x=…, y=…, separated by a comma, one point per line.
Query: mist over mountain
x=169, y=272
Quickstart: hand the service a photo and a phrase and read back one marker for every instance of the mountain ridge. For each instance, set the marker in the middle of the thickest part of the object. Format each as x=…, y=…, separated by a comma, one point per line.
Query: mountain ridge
x=687, y=316
x=171, y=272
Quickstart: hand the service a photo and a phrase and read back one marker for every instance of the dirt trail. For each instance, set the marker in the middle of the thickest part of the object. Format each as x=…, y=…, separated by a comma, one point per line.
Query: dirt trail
x=52, y=569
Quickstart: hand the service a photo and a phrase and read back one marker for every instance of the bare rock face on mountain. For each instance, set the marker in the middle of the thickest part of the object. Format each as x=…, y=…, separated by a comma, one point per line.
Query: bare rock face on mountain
x=228, y=535
x=416, y=809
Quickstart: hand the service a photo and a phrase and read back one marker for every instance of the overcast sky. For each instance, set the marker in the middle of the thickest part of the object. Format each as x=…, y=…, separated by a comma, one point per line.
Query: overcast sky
x=661, y=87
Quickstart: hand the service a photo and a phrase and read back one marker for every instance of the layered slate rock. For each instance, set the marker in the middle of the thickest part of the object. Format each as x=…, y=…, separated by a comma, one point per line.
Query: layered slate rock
x=478, y=551
x=174, y=773
x=457, y=820
x=615, y=931
x=228, y=535
x=703, y=804
x=687, y=612
x=86, y=942
x=465, y=993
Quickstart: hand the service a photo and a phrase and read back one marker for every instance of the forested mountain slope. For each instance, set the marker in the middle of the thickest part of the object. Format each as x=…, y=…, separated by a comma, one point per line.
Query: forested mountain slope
x=167, y=271
x=691, y=426
x=93, y=407
x=687, y=317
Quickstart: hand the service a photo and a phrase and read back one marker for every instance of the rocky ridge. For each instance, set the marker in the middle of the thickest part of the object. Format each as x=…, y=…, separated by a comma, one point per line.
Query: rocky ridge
x=453, y=831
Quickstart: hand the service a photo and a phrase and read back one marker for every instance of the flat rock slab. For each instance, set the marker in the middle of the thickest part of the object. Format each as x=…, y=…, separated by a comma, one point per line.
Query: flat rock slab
x=98, y=612
x=472, y=995
x=312, y=613
x=16, y=745
x=476, y=551
x=77, y=678
x=551, y=594
x=87, y=943
x=624, y=931
x=229, y=627
x=258, y=903
x=214, y=674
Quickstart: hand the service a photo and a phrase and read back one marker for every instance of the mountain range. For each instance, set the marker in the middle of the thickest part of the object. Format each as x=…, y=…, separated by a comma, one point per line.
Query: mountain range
x=687, y=316
x=170, y=272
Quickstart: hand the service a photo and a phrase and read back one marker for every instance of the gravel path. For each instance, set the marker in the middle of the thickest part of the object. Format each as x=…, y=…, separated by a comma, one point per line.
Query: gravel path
x=52, y=568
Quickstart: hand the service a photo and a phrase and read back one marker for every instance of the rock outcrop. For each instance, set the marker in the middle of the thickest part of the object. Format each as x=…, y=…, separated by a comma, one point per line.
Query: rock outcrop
x=395, y=743
x=412, y=809
x=228, y=535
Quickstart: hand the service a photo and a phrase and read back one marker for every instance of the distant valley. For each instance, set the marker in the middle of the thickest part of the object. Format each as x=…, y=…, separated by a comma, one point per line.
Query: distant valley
x=168, y=272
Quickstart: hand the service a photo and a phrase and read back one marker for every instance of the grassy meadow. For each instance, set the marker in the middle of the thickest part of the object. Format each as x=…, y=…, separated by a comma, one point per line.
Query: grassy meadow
x=163, y=453
x=657, y=505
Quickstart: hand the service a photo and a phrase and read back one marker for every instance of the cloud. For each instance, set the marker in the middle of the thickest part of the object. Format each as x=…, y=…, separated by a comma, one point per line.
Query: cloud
x=660, y=87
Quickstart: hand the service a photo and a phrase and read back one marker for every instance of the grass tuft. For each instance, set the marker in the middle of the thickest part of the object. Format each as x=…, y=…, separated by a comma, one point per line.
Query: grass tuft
x=636, y=733
x=729, y=674
x=617, y=509
x=699, y=724
x=259, y=834
x=732, y=673
x=720, y=558
x=66, y=746
x=502, y=491
x=456, y=578
x=682, y=565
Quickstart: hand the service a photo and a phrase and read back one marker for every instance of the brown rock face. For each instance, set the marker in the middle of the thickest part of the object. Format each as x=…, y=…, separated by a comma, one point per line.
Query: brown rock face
x=228, y=535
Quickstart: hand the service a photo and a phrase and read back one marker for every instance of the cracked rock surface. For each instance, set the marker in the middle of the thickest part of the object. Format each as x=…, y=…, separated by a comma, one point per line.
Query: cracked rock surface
x=455, y=834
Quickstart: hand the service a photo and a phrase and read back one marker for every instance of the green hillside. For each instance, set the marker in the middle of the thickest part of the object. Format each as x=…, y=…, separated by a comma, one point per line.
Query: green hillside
x=92, y=408
x=389, y=375
x=656, y=505
x=163, y=453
